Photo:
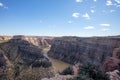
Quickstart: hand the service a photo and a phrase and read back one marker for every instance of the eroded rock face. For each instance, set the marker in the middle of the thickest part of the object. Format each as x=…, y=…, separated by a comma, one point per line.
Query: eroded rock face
x=116, y=53
x=2, y=59
x=4, y=38
x=5, y=67
x=75, y=49
x=37, y=41
x=114, y=75
x=113, y=63
x=21, y=60
x=2, y=64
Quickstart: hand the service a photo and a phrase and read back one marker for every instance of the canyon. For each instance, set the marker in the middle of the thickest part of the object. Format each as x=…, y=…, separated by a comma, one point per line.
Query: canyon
x=75, y=50
x=35, y=57
x=20, y=59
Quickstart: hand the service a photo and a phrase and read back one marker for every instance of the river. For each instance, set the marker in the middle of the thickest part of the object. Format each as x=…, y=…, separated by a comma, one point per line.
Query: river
x=57, y=64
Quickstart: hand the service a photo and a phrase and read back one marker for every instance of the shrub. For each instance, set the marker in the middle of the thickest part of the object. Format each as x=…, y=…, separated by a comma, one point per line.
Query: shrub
x=91, y=71
x=68, y=70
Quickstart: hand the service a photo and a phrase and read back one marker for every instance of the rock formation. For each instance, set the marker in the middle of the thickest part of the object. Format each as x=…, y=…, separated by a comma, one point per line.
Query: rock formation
x=21, y=57
x=21, y=60
x=4, y=38
x=113, y=63
x=37, y=41
x=40, y=41
x=114, y=75
x=79, y=50
x=116, y=53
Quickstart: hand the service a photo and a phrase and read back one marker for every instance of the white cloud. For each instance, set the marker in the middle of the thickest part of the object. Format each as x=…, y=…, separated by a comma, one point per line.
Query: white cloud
x=108, y=11
x=95, y=0
x=105, y=25
x=79, y=0
x=1, y=4
x=89, y=27
x=92, y=11
x=117, y=1
x=75, y=15
x=86, y=15
x=109, y=3
x=118, y=6
x=105, y=29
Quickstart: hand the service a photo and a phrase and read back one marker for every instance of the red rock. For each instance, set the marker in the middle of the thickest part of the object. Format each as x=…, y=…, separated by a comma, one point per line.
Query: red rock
x=111, y=64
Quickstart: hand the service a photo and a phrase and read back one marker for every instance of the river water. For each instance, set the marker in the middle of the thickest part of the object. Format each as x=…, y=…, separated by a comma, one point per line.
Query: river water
x=57, y=64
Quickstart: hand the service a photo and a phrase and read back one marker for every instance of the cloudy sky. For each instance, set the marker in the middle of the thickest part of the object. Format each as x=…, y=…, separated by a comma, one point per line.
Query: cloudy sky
x=60, y=17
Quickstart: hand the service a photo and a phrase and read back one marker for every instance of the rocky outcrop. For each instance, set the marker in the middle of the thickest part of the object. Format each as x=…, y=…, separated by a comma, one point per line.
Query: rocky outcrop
x=21, y=60
x=40, y=42
x=2, y=59
x=116, y=53
x=79, y=50
x=5, y=38
x=113, y=63
x=114, y=75
x=6, y=68
x=2, y=64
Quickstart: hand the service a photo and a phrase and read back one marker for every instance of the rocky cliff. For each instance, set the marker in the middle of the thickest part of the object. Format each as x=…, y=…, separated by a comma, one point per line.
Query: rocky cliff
x=5, y=38
x=112, y=65
x=79, y=50
x=22, y=60
x=39, y=41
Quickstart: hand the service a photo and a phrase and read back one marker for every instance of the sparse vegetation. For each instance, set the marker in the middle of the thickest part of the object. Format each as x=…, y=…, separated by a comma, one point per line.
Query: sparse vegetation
x=91, y=71
x=67, y=71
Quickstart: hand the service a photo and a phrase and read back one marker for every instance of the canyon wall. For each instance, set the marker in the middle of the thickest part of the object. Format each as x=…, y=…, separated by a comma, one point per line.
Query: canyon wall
x=79, y=49
x=39, y=41
x=22, y=60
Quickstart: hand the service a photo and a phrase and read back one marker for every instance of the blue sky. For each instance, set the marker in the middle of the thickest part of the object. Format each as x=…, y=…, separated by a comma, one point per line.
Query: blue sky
x=60, y=17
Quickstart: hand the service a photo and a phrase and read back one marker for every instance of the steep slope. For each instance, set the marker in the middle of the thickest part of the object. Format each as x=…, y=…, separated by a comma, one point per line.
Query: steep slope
x=113, y=63
x=41, y=42
x=79, y=50
x=21, y=60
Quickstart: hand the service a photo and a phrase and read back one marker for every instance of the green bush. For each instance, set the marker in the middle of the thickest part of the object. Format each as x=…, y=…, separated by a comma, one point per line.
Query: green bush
x=91, y=71
x=68, y=70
